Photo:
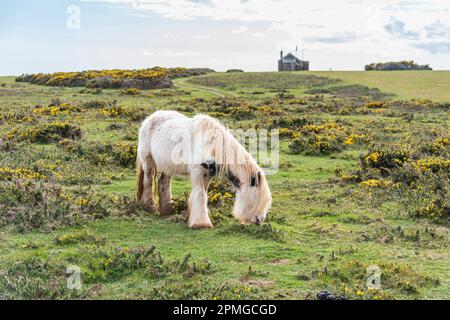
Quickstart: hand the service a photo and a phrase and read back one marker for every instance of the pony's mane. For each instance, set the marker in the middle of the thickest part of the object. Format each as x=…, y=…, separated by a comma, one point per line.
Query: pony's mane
x=226, y=151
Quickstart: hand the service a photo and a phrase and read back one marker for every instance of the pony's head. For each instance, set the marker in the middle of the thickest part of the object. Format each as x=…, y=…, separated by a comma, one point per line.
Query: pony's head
x=253, y=199
x=229, y=158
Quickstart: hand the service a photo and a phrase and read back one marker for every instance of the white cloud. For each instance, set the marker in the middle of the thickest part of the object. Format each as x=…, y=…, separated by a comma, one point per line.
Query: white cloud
x=241, y=29
x=201, y=37
x=258, y=35
x=300, y=19
x=369, y=28
x=170, y=53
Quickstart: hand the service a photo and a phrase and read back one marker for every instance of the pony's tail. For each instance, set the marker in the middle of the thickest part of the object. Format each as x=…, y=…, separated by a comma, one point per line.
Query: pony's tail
x=139, y=180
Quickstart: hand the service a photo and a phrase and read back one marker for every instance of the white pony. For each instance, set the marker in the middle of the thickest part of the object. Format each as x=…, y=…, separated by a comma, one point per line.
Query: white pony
x=202, y=148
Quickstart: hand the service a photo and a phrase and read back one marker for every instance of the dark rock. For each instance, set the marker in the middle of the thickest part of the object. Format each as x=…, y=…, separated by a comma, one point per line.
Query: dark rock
x=326, y=295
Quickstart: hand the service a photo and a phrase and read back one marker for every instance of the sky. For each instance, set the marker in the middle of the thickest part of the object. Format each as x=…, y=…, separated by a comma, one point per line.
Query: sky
x=74, y=35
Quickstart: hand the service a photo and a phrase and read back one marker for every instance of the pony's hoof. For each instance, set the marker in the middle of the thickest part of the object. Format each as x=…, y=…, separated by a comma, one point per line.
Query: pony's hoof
x=201, y=225
x=149, y=208
x=165, y=211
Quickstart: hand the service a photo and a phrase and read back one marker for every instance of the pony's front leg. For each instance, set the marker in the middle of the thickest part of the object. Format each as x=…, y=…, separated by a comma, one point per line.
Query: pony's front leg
x=198, y=202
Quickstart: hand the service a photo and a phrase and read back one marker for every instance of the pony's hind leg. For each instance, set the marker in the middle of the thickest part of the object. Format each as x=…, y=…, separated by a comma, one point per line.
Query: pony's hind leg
x=198, y=201
x=145, y=179
x=165, y=194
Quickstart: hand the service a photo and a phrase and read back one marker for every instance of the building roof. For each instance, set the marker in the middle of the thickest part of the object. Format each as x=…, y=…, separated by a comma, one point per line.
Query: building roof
x=291, y=56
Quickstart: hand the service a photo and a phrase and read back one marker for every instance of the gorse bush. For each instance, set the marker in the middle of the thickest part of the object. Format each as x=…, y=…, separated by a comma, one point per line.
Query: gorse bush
x=38, y=277
x=35, y=278
x=112, y=263
x=349, y=279
x=100, y=153
x=143, y=79
x=220, y=192
x=125, y=153
x=429, y=197
x=131, y=91
x=27, y=205
x=46, y=133
x=438, y=144
x=323, y=138
x=385, y=158
x=78, y=237
x=421, y=181
x=114, y=112
x=9, y=174
x=99, y=104
x=55, y=110
x=16, y=117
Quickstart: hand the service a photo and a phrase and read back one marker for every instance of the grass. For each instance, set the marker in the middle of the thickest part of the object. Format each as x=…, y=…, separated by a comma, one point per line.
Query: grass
x=431, y=85
x=322, y=233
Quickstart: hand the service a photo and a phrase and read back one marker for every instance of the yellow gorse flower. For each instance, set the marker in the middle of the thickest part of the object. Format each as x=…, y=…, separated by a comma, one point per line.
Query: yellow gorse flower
x=8, y=174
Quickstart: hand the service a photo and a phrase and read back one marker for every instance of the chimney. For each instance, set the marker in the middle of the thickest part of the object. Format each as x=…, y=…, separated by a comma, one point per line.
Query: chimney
x=281, y=54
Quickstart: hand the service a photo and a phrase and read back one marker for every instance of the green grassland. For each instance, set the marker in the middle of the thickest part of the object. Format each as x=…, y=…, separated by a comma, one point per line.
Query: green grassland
x=433, y=85
x=67, y=196
x=404, y=84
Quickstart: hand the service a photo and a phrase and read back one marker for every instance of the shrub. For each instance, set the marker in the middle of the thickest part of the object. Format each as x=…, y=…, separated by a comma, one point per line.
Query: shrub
x=9, y=174
x=265, y=231
x=234, y=70
x=385, y=158
x=315, y=144
x=99, y=104
x=220, y=192
x=288, y=133
x=121, y=153
x=402, y=65
x=39, y=277
x=437, y=146
x=82, y=236
x=17, y=117
x=376, y=183
x=355, y=91
x=35, y=277
x=55, y=110
x=428, y=197
x=433, y=165
x=324, y=138
x=124, y=153
x=375, y=104
x=52, y=132
x=349, y=279
x=153, y=78
x=114, y=112
x=26, y=205
x=293, y=123
x=131, y=91
x=137, y=115
x=108, y=264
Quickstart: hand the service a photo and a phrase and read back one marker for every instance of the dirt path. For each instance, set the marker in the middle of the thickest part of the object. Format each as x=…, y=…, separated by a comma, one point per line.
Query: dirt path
x=181, y=83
